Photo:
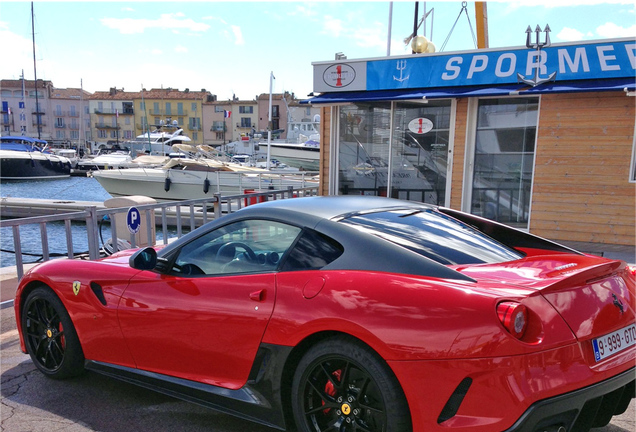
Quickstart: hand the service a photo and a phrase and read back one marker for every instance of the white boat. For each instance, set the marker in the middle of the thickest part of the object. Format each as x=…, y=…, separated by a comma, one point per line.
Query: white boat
x=182, y=179
x=305, y=156
x=159, y=141
x=300, y=150
x=108, y=160
x=24, y=158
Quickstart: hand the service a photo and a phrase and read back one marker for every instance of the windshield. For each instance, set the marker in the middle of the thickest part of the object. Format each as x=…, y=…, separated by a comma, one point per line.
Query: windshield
x=434, y=235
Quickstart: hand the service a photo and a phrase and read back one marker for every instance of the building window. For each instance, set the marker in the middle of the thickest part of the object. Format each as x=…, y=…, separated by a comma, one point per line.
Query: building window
x=219, y=136
x=59, y=122
x=74, y=134
x=101, y=133
x=194, y=123
x=218, y=108
x=168, y=108
x=246, y=109
x=246, y=122
x=504, y=159
x=60, y=134
x=194, y=107
x=195, y=136
x=275, y=111
x=58, y=110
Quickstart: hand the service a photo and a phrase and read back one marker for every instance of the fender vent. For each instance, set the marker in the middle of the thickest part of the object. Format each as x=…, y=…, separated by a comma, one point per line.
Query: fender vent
x=99, y=293
x=456, y=399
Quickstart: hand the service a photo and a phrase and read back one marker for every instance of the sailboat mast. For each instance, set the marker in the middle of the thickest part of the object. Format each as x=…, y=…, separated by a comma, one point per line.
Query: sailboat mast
x=35, y=73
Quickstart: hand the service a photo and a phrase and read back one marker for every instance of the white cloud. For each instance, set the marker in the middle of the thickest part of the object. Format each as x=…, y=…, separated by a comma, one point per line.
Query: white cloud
x=569, y=34
x=164, y=22
x=181, y=49
x=332, y=26
x=611, y=30
x=238, y=35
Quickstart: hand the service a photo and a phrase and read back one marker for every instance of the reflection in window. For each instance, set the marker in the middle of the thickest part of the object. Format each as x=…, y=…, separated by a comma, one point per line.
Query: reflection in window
x=364, y=149
x=504, y=159
x=420, y=151
x=251, y=246
x=435, y=236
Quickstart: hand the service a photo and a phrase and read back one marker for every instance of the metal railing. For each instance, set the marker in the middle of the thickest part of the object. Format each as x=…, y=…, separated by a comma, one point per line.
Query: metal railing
x=180, y=214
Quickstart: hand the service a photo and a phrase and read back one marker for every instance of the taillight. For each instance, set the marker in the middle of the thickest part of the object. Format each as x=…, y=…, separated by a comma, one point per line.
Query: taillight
x=514, y=317
x=631, y=269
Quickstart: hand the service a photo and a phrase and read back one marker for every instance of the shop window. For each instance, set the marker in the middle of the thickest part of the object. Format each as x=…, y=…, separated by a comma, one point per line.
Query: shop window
x=504, y=159
x=420, y=147
x=409, y=162
x=363, y=149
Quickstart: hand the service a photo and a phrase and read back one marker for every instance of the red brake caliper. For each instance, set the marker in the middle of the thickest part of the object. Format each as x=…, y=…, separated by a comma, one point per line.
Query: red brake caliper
x=330, y=389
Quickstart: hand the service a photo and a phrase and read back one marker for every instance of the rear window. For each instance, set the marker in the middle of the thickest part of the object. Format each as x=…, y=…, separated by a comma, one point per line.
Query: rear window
x=434, y=235
x=312, y=251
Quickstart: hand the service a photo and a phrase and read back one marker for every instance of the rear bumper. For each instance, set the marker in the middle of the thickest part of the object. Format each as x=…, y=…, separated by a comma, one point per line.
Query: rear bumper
x=582, y=409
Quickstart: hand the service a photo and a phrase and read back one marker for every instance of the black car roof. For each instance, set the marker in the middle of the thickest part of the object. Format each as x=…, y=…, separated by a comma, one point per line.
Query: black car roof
x=335, y=207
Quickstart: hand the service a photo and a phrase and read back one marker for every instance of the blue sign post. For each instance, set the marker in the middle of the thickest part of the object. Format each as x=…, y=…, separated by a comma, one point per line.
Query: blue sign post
x=133, y=220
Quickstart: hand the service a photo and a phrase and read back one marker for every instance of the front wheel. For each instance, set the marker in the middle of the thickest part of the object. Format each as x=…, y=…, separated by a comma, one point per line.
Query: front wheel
x=50, y=336
x=342, y=385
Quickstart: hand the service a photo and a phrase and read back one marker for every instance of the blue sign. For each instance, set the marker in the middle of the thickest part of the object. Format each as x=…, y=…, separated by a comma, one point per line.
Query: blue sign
x=133, y=220
x=606, y=59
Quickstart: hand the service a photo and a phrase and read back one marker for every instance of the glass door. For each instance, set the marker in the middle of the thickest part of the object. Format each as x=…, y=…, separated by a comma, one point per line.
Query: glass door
x=504, y=159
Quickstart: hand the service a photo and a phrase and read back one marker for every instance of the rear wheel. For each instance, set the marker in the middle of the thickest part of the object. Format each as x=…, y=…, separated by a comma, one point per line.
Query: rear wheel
x=50, y=336
x=342, y=385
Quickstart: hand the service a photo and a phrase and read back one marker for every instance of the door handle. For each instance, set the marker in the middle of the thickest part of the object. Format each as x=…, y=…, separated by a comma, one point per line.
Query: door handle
x=258, y=296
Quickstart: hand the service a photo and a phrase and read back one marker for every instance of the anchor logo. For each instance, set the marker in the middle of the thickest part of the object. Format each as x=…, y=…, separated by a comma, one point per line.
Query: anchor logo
x=401, y=65
x=535, y=81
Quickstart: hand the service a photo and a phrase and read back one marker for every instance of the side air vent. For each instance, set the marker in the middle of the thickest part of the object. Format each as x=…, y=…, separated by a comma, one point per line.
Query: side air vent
x=99, y=293
x=456, y=399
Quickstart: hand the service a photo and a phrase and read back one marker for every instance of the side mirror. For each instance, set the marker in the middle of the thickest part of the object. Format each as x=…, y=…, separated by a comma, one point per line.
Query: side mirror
x=143, y=259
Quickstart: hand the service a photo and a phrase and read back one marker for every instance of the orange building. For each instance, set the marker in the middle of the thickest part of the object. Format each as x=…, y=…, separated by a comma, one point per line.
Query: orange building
x=540, y=138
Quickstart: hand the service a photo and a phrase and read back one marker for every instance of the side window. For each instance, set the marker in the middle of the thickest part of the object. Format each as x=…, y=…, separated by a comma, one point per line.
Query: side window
x=312, y=251
x=251, y=246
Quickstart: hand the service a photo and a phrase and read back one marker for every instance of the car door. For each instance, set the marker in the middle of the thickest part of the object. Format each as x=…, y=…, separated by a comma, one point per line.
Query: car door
x=204, y=317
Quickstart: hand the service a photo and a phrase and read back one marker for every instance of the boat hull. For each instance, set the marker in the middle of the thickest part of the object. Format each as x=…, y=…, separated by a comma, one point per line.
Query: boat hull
x=305, y=158
x=17, y=165
x=185, y=185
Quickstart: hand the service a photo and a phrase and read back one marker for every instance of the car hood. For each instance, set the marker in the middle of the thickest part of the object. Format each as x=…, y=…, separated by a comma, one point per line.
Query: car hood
x=594, y=295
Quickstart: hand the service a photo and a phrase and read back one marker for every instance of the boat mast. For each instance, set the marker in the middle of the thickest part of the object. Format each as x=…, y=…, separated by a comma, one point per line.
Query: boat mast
x=81, y=117
x=35, y=73
x=24, y=125
x=269, y=126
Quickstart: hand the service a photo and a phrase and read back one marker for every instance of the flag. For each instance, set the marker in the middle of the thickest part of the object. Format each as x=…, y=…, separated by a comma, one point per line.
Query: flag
x=227, y=114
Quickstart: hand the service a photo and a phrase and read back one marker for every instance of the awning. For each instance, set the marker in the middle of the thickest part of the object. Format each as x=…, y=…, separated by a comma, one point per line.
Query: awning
x=615, y=84
x=413, y=94
x=595, y=85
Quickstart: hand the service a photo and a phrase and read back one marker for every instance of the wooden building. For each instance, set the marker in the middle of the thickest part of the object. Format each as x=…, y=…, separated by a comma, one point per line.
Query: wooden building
x=540, y=139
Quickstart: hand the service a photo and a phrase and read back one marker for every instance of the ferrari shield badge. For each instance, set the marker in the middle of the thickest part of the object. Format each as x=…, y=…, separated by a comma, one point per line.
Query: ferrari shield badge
x=76, y=287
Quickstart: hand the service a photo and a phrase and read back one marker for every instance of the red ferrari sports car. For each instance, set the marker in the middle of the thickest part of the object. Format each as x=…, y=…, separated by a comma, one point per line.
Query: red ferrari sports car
x=350, y=314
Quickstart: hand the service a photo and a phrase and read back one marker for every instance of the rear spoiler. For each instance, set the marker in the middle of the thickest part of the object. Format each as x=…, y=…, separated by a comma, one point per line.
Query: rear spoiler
x=506, y=235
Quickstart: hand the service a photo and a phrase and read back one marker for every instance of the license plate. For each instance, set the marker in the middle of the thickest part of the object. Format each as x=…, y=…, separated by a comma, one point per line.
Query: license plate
x=614, y=342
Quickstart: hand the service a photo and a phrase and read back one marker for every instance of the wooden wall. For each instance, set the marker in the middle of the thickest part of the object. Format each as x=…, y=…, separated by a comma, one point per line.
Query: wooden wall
x=325, y=149
x=459, y=153
x=581, y=186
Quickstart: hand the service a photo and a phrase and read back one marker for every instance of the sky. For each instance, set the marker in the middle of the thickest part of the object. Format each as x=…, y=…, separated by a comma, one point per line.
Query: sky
x=231, y=48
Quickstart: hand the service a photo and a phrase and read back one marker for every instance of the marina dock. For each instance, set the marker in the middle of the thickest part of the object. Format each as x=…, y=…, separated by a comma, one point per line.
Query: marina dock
x=25, y=207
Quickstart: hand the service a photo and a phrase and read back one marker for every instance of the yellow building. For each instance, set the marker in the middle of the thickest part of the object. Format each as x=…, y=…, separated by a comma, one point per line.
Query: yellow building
x=171, y=108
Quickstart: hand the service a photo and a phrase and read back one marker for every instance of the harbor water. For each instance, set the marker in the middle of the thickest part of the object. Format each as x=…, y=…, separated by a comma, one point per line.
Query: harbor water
x=73, y=189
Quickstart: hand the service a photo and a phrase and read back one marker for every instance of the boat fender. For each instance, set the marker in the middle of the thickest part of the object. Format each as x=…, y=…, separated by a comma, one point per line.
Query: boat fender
x=166, y=184
x=206, y=185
